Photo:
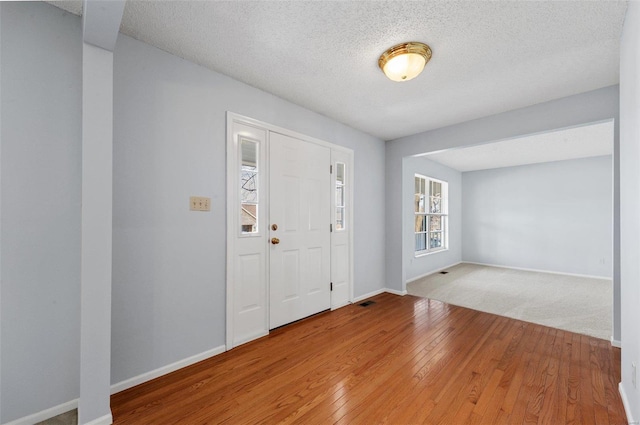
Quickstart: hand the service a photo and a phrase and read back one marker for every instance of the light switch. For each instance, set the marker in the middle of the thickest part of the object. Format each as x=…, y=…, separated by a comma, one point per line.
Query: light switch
x=199, y=203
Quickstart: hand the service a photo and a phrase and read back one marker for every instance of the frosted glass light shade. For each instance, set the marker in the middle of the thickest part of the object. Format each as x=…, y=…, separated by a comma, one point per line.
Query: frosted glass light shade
x=404, y=61
x=404, y=67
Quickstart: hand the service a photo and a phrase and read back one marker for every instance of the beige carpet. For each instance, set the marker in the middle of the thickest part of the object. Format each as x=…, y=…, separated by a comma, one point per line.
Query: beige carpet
x=576, y=304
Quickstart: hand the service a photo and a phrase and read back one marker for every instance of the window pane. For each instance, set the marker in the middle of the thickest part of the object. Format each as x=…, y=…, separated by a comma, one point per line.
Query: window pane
x=436, y=204
x=419, y=203
x=249, y=153
x=421, y=223
x=420, y=196
x=421, y=241
x=249, y=217
x=435, y=240
x=340, y=196
x=340, y=173
x=435, y=198
x=339, y=218
x=436, y=189
x=435, y=223
x=249, y=186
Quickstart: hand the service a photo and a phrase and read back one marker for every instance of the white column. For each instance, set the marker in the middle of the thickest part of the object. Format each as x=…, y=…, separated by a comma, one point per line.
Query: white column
x=0, y=205
x=101, y=23
x=97, y=170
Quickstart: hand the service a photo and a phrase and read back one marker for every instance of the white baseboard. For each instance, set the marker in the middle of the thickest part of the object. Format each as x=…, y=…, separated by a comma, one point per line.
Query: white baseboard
x=344, y=304
x=46, y=414
x=103, y=420
x=538, y=270
x=413, y=279
x=137, y=380
x=369, y=295
x=248, y=338
x=625, y=403
x=120, y=386
x=616, y=343
x=378, y=292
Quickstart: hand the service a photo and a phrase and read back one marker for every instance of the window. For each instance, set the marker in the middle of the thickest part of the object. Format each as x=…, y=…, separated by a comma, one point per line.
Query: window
x=340, y=196
x=431, y=214
x=249, y=186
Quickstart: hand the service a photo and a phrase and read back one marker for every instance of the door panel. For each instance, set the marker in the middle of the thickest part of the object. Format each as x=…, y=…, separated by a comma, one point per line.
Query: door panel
x=300, y=206
x=314, y=270
x=291, y=204
x=291, y=272
x=249, y=283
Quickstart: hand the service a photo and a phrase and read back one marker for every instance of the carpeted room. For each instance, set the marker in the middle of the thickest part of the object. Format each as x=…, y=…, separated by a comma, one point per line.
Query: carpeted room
x=546, y=222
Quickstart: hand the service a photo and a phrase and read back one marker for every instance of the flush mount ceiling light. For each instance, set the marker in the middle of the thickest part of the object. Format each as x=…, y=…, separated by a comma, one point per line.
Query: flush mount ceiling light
x=404, y=61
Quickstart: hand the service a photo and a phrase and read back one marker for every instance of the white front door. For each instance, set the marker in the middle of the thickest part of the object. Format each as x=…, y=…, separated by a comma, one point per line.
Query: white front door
x=300, y=213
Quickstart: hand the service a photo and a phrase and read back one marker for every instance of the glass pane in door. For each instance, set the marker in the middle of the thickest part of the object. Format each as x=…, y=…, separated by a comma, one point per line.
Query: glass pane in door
x=340, y=196
x=249, y=186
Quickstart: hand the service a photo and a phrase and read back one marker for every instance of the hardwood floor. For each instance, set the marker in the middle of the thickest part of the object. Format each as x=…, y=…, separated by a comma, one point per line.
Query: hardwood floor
x=402, y=360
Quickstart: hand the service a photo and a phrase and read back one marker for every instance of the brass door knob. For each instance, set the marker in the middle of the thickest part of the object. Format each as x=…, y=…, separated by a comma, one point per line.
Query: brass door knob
x=275, y=241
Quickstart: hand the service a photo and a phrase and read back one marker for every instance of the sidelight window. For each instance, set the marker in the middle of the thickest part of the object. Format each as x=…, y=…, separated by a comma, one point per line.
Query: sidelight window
x=249, y=186
x=340, y=196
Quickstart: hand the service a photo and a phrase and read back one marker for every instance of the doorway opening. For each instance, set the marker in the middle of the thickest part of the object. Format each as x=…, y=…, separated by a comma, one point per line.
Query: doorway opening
x=537, y=203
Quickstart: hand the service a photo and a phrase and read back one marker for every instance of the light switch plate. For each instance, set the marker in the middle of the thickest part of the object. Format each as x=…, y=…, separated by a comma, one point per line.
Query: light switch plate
x=199, y=203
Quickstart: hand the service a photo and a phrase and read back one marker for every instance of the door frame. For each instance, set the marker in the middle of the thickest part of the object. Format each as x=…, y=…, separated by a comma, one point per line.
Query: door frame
x=232, y=219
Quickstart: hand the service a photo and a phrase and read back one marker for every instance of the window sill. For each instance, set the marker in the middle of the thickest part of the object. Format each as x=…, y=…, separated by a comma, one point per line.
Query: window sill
x=430, y=252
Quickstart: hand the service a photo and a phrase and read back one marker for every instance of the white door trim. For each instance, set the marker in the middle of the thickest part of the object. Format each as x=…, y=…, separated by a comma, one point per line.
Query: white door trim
x=232, y=220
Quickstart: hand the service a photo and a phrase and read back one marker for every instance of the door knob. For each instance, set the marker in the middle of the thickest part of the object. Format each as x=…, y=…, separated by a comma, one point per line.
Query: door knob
x=275, y=241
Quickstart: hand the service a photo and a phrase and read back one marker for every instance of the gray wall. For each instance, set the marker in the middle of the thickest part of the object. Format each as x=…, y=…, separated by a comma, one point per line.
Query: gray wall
x=40, y=240
x=630, y=204
x=425, y=264
x=169, y=144
x=555, y=216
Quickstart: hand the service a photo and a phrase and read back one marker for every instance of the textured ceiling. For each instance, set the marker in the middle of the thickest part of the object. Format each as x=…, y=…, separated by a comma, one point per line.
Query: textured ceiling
x=571, y=143
x=488, y=57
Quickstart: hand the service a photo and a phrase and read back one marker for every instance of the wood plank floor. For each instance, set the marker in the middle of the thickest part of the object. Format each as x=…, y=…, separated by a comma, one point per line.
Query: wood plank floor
x=402, y=360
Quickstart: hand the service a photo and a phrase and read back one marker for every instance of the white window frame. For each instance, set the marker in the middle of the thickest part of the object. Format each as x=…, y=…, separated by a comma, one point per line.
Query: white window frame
x=444, y=214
